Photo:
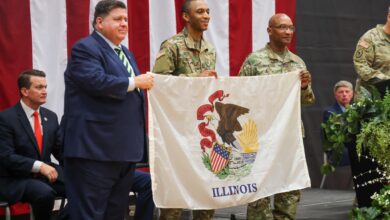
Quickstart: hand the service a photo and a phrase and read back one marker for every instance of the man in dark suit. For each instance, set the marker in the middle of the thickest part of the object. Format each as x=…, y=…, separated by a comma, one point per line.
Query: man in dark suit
x=29, y=135
x=343, y=93
x=144, y=206
x=103, y=122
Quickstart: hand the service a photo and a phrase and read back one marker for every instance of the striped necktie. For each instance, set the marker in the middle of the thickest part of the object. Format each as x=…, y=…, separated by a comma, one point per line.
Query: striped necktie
x=125, y=61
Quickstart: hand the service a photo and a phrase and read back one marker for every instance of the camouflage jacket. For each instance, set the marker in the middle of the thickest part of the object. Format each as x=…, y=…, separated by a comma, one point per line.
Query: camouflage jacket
x=372, y=58
x=179, y=56
x=265, y=61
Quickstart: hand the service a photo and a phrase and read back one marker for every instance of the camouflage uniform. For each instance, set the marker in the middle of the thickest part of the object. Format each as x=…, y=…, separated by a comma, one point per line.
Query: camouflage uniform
x=372, y=58
x=264, y=62
x=182, y=56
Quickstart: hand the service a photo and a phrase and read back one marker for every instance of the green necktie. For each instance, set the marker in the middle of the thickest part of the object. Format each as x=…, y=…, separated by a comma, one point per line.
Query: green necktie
x=124, y=60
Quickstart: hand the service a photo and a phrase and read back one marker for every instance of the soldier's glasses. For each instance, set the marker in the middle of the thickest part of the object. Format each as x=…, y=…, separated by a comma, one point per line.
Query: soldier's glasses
x=285, y=28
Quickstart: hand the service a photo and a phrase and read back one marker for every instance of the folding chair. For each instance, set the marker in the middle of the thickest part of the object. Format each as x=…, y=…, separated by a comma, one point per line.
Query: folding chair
x=7, y=210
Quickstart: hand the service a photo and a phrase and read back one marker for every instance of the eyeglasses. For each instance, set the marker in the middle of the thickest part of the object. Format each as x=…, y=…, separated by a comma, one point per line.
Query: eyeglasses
x=285, y=28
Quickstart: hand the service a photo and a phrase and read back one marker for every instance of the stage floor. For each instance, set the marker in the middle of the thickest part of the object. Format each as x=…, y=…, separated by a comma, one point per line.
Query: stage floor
x=315, y=204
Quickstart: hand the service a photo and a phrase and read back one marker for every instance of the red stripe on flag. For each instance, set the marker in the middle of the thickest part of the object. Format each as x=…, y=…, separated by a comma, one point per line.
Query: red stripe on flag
x=288, y=7
x=15, y=47
x=77, y=18
x=240, y=33
x=139, y=43
x=179, y=20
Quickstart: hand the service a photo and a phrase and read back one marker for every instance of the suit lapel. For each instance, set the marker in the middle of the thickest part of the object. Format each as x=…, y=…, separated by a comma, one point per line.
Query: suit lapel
x=26, y=125
x=45, y=129
x=108, y=50
x=132, y=62
x=115, y=57
x=338, y=108
x=134, y=66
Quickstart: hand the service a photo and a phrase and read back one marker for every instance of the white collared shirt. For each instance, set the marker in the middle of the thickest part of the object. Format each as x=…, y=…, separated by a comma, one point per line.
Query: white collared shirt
x=341, y=107
x=30, y=116
x=131, y=86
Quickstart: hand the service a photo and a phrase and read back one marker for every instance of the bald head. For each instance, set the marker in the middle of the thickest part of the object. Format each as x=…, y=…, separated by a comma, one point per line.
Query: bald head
x=275, y=19
x=280, y=31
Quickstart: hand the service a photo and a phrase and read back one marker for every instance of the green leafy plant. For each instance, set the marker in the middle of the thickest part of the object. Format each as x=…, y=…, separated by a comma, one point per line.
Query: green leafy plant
x=380, y=208
x=367, y=120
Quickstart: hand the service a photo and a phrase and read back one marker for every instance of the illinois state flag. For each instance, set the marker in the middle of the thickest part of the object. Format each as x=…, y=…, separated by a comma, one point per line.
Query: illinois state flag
x=223, y=142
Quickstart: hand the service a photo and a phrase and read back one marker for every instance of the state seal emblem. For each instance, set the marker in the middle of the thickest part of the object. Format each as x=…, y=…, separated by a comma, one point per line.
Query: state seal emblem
x=229, y=138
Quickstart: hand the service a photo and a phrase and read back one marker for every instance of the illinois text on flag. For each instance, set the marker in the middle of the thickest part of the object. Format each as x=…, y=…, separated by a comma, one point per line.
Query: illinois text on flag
x=216, y=143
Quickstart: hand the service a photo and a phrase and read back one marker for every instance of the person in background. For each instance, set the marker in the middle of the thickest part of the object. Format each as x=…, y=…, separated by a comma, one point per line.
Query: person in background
x=30, y=134
x=371, y=59
x=144, y=205
x=343, y=94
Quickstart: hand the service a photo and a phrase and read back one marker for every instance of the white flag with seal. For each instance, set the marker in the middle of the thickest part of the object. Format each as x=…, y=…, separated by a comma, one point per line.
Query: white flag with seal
x=216, y=143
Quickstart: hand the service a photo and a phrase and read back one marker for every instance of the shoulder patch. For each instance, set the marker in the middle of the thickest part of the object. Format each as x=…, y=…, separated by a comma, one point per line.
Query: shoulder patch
x=363, y=44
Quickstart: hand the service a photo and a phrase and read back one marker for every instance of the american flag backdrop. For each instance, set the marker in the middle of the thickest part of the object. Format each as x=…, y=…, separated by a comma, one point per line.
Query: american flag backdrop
x=40, y=33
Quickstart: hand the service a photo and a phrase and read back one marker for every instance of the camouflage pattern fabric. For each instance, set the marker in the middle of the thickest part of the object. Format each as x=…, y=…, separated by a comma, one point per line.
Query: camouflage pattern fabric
x=180, y=55
x=170, y=214
x=265, y=62
x=372, y=59
x=286, y=205
x=260, y=210
x=203, y=214
x=175, y=214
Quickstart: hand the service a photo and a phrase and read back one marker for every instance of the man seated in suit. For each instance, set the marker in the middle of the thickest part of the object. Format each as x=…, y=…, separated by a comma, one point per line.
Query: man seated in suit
x=343, y=93
x=142, y=186
x=29, y=135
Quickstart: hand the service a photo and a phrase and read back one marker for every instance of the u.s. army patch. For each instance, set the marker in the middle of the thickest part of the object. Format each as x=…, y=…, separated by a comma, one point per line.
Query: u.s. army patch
x=359, y=53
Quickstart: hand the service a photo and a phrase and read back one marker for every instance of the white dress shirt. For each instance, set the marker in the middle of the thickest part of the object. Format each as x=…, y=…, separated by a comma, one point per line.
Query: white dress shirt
x=131, y=86
x=30, y=116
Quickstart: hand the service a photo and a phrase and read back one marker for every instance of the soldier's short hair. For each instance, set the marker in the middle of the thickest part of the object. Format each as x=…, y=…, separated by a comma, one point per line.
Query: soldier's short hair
x=389, y=9
x=104, y=7
x=186, y=6
x=342, y=83
x=25, y=76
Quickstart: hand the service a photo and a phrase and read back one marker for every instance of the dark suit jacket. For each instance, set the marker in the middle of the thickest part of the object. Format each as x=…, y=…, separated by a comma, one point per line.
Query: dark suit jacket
x=336, y=109
x=102, y=121
x=19, y=149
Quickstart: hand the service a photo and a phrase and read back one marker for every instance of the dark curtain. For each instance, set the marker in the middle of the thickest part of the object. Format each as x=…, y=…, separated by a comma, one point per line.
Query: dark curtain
x=327, y=34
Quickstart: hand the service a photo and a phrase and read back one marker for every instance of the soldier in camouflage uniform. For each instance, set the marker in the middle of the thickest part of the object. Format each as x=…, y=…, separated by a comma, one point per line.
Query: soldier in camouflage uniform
x=275, y=58
x=188, y=54
x=372, y=57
